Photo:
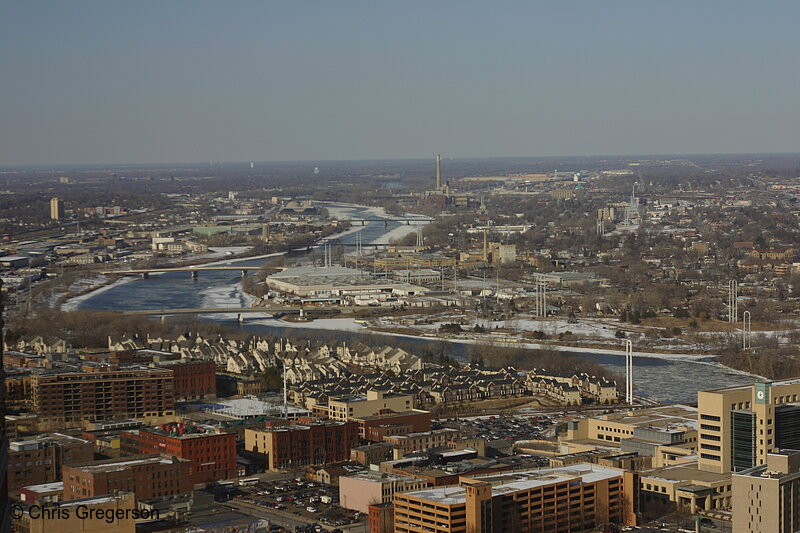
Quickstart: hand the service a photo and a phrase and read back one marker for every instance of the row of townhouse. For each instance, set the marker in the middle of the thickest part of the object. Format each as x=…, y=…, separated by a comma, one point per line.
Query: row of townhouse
x=427, y=386
x=304, y=361
x=565, y=387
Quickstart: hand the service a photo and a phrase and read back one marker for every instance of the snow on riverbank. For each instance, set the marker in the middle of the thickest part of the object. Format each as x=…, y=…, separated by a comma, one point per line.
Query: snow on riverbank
x=72, y=304
x=331, y=324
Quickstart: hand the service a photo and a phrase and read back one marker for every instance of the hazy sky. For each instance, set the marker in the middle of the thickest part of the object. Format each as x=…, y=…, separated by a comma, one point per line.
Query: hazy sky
x=176, y=81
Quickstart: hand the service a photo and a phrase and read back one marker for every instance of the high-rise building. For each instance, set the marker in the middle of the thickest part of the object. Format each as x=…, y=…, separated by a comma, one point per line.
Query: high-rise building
x=739, y=426
x=766, y=498
x=56, y=208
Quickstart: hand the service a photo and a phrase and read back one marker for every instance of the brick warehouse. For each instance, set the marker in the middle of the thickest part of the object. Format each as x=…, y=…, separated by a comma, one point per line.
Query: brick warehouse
x=303, y=444
x=148, y=476
x=193, y=380
x=213, y=455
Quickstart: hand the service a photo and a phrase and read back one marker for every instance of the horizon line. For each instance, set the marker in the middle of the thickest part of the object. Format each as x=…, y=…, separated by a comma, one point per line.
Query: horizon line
x=345, y=160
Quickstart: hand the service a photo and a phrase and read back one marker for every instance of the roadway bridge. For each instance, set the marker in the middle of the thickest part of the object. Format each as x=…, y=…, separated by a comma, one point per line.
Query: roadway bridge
x=193, y=270
x=241, y=311
x=407, y=221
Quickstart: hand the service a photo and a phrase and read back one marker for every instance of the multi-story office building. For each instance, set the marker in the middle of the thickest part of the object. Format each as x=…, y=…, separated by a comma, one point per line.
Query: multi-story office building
x=739, y=426
x=303, y=444
x=68, y=399
x=56, y=208
x=573, y=498
x=766, y=498
x=148, y=476
x=213, y=455
x=38, y=460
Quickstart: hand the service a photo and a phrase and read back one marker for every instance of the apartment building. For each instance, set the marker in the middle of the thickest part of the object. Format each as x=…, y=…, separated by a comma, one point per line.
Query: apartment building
x=148, y=476
x=740, y=426
x=303, y=444
x=766, y=498
x=212, y=455
x=573, y=498
x=102, y=392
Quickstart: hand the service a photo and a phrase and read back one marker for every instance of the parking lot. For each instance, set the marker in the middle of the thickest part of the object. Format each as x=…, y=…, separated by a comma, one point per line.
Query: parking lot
x=304, y=501
x=510, y=428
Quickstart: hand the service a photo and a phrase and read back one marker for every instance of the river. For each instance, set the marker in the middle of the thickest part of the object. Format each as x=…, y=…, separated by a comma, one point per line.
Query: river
x=665, y=380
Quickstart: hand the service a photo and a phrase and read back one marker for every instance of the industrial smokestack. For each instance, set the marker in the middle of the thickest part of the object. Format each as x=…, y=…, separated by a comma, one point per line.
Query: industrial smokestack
x=438, y=172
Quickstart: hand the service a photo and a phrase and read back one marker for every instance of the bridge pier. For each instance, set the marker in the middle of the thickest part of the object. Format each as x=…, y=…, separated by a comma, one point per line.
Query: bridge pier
x=194, y=274
x=163, y=318
x=385, y=223
x=145, y=275
x=363, y=222
x=244, y=273
x=240, y=318
x=408, y=222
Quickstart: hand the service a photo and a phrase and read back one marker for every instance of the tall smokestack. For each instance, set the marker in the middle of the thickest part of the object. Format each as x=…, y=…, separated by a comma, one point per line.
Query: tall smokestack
x=438, y=172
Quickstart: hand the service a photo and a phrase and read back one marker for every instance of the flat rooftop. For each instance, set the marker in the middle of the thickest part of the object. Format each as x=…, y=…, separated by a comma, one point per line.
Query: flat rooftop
x=684, y=473
x=118, y=465
x=509, y=482
x=665, y=418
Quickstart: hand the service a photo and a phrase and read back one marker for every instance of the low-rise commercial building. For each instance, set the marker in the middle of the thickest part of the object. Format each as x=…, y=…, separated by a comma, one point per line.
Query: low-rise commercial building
x=85, y=514
x=376, y=427
x=345, y=408
x=360, y=491
x=422, y=441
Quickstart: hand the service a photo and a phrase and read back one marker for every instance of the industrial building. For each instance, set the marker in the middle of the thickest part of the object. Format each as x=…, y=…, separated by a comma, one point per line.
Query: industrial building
x=323, y=282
